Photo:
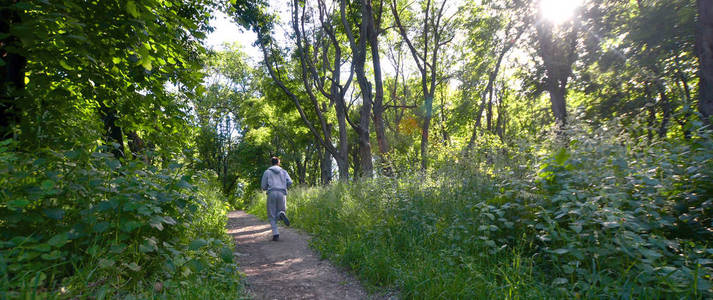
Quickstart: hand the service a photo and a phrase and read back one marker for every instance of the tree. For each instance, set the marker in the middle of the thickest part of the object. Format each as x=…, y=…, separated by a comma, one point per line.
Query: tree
x=252, y=16
x=493, y=31
x=435, y=34
x=100, y=70
x=704, y=45
x=358, y=65
x=557, y=46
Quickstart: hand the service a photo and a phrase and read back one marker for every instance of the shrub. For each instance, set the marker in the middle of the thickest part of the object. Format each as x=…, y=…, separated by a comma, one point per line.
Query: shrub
x=78, y=223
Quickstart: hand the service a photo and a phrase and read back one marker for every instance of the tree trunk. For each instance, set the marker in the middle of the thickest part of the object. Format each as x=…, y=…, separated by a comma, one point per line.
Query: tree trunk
x=666, y=108
x=358, y=62
x=558, y=55
x=444, y=131
x=704, y=47
x=326, y=167
x=489, y=113
x=651, y=108
x=137, y=146
x=500, y=121
x=372, y=34
x=302, y=168
x=559, y=105
x=12, y=74
x=113, y=137
x=686, y=101
x=425, y=131
x=356, y=161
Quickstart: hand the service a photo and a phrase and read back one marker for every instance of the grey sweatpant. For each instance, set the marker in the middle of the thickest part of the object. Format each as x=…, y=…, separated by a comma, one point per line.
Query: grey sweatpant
x=275, y=204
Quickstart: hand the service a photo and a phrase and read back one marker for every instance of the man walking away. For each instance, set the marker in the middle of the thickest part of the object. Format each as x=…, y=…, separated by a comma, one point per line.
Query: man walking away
x=275, y=181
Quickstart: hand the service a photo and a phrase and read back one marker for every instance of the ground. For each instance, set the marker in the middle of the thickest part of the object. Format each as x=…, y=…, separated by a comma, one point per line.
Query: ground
x=288, y=268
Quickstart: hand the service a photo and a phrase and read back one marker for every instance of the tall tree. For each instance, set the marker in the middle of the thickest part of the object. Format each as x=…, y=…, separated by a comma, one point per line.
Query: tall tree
x=493, y=31
x=435, y=33
x=359, y=53
x=704, y=45
x=557, y=46
x=314, y=80
x=12, y=68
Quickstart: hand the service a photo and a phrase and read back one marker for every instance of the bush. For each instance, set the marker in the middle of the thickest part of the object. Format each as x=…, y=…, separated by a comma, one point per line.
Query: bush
x=84, y=224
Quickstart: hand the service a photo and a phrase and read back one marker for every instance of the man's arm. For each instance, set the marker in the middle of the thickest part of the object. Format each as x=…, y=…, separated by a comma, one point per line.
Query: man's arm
x=263, y=182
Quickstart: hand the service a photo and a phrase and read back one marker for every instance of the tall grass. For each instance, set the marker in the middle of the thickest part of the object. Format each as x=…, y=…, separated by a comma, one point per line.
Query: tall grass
x=394, y=233
x=600, y=219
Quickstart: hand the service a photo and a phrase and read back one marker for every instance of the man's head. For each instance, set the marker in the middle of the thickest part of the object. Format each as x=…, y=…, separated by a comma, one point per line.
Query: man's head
x=275, y=161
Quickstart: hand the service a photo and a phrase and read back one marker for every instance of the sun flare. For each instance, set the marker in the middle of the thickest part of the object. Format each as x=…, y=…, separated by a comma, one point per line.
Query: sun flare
x=559, y=11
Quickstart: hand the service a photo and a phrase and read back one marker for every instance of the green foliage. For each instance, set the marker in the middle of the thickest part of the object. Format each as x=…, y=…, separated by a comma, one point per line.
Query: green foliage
x=78, y=223
x=107, y=61
x=606, y=217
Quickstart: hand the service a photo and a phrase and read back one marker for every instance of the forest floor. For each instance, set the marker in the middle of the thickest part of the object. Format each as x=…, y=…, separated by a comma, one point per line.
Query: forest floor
x=288, y=268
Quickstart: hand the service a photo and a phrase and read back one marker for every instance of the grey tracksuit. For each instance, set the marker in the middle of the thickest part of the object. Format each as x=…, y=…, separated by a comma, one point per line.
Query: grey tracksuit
x=275, y=181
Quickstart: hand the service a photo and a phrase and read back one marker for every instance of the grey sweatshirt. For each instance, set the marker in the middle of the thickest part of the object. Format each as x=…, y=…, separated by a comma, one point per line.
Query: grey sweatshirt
x=275, y=179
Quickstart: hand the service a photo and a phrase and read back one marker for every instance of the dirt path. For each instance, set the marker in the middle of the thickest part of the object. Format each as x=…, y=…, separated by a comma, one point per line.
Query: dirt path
x=287, y=269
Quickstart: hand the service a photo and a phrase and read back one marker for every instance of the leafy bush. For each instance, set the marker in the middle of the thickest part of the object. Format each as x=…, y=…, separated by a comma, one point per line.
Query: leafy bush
x=605, y=217
x=81, y=223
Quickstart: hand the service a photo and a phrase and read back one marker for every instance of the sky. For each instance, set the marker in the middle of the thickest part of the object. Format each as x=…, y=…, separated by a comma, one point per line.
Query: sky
x=226, y=31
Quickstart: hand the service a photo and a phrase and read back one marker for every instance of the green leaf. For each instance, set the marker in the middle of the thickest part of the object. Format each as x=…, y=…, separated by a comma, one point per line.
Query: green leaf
x=156, y=222
x=47, y=184
x=65, y=65
x=43, y=247
x=133, y=267
x=106, y=205
x=106, y=263
x=651, y=254
x=610, y=224
x=117, y=248
x=54, y=213
x=197, y=244
x=52, y=255
x=17, y=203
x=113, y=163
x=116, y=60
x=226, y=254
x=560, y=251
x=131, y=9
x=130, y=226
x=146, y=63
x=561, y=156
x=58, y=240
x=169, y=220
x=145, y=249
x=101, y=227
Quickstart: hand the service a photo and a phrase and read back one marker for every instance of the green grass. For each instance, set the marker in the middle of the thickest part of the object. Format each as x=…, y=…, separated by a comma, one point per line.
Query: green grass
x=407, y=241
x=444, y=239
x=607, y=217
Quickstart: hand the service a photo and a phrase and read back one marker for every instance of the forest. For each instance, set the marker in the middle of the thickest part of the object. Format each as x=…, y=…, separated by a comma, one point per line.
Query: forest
x=443, y=149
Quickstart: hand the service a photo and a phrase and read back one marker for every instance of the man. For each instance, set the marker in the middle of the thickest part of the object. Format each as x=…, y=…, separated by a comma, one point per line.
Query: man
x=275, y=182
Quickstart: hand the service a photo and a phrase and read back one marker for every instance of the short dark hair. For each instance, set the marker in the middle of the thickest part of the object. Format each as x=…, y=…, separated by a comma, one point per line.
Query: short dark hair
x=275, y=160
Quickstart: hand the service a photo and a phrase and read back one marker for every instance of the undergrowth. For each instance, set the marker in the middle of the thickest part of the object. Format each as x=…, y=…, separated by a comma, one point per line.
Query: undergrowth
x=606, y=217
x=83, y=224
